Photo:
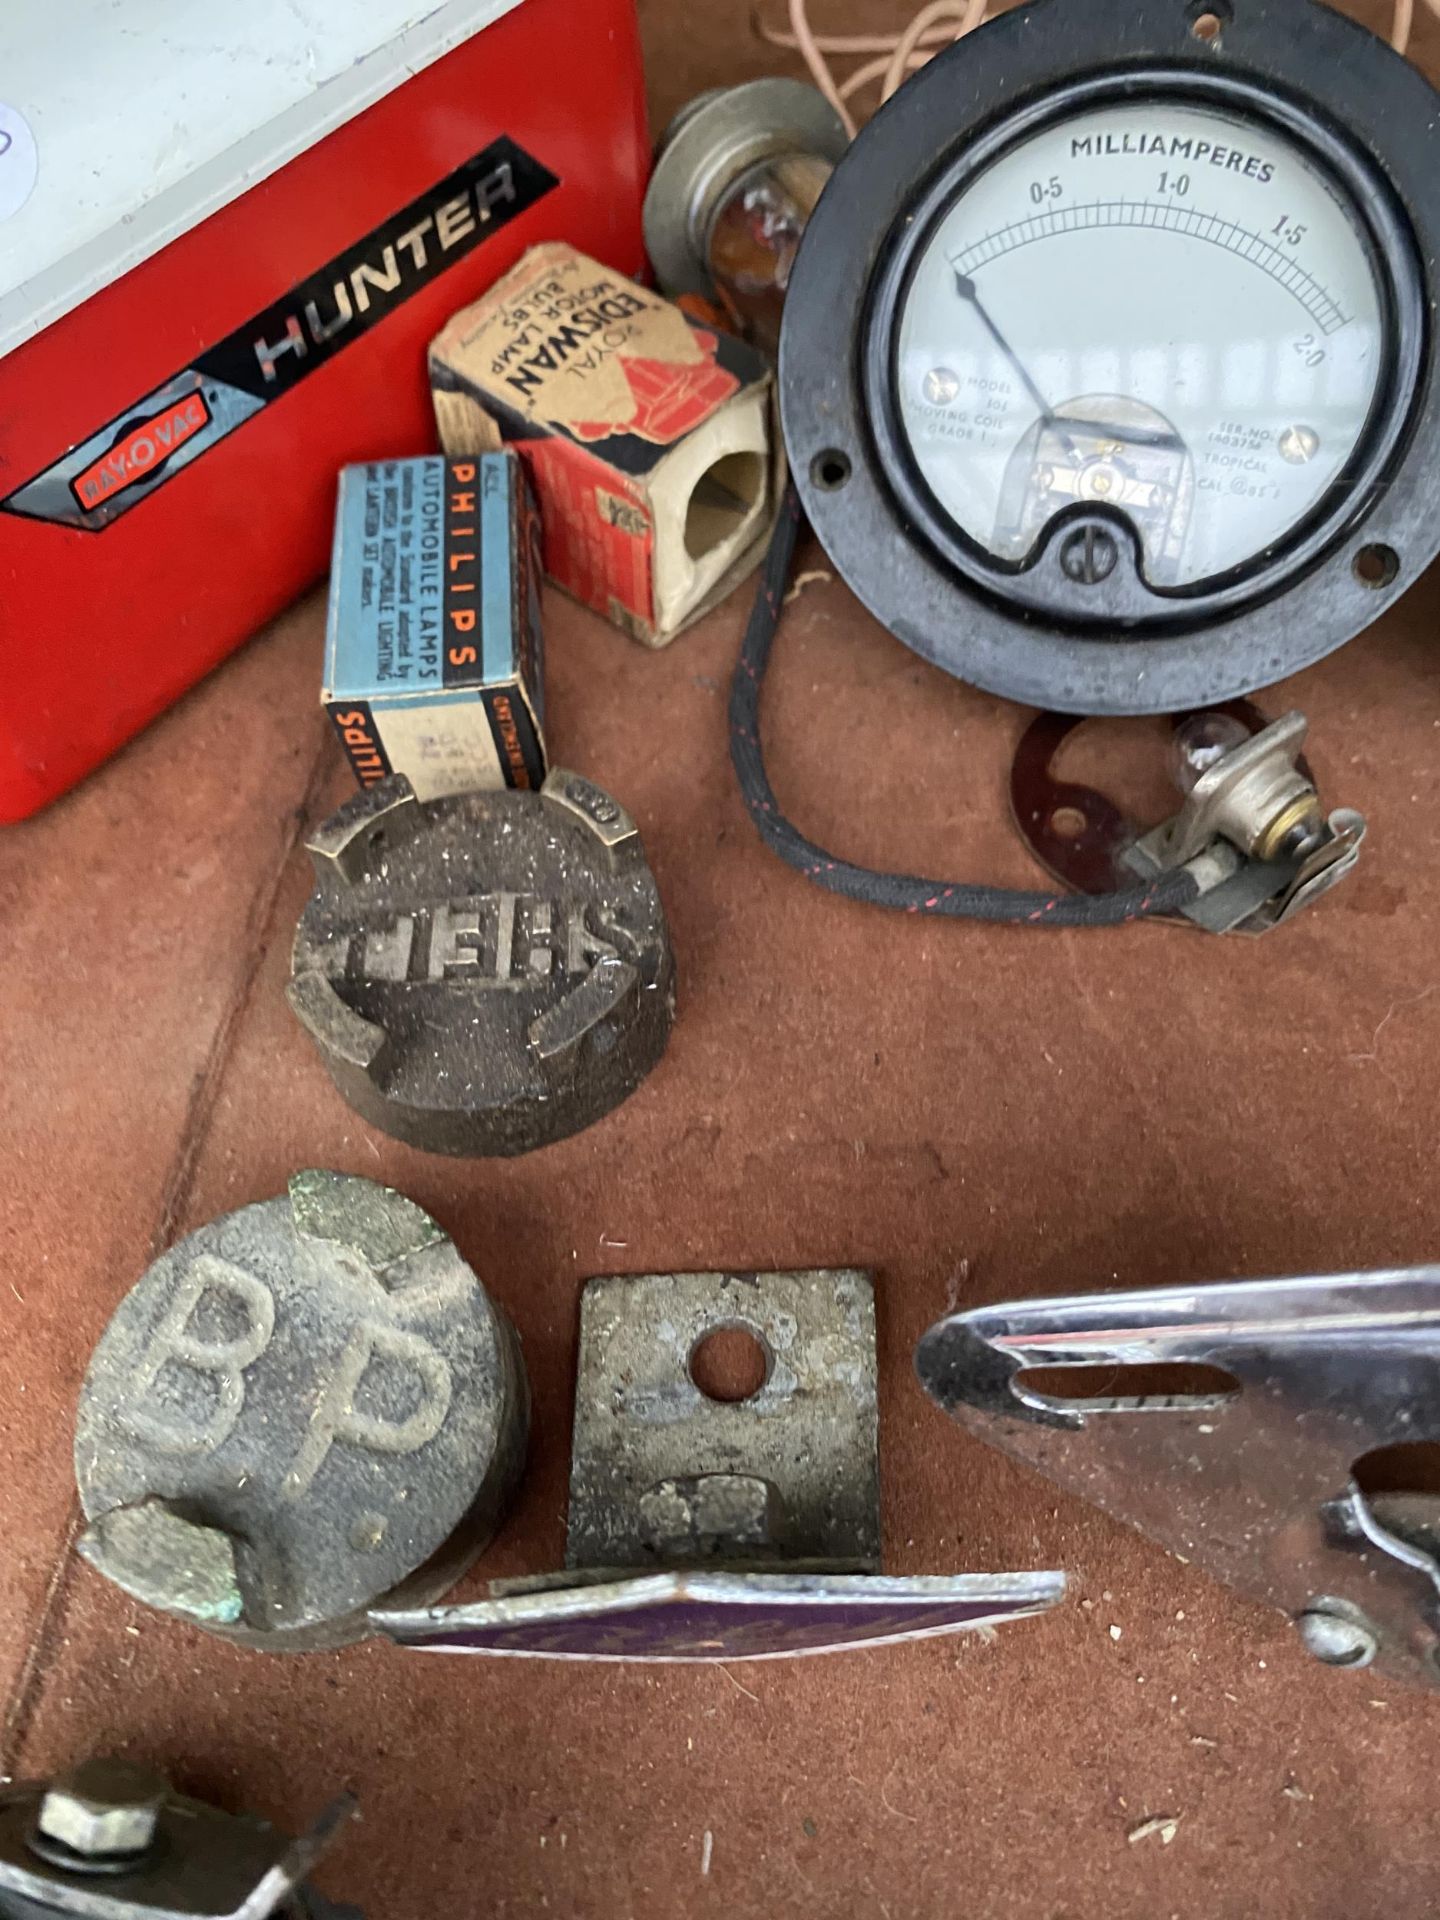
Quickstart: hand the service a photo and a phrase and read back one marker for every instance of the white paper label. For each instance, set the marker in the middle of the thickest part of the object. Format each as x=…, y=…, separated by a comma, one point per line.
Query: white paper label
x=19, y=162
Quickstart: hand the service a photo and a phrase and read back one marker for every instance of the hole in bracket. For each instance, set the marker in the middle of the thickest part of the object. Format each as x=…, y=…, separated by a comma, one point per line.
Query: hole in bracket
x=1162, y=1386
x=729, y=1364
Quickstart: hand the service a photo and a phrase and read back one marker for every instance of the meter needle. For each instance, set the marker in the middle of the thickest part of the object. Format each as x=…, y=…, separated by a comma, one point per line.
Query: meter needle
x=967, y=290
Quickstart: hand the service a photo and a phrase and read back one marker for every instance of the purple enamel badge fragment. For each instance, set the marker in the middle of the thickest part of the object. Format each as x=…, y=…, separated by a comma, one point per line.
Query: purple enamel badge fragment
x=686, y=1616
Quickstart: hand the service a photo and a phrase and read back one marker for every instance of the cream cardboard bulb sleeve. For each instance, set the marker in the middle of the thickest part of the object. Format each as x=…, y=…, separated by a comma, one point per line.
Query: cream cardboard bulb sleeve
x=650, y=440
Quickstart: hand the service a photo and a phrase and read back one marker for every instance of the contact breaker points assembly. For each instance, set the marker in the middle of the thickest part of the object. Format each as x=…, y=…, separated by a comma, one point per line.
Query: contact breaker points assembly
x=305, y=1408
x=1279, y=1434
x=723, y=1522
x=485, y=973
x=1251, y=831
x=112, y=1840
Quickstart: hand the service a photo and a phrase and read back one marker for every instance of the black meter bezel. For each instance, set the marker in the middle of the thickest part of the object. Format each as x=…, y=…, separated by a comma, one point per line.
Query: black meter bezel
x=1032, y=632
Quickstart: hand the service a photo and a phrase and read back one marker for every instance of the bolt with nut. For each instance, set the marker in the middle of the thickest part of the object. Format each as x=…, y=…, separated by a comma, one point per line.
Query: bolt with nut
x=104, y=1810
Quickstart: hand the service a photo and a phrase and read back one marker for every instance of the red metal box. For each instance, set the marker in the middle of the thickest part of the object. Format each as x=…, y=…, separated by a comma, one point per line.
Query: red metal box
x=170, y=435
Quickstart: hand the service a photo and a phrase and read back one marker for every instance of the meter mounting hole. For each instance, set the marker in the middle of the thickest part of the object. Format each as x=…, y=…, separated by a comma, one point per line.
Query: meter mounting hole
x=1377, y=566
x=1208, y=22
x=722, y=499
x=730, y=1364
x=830, y=470
x=1068, y=823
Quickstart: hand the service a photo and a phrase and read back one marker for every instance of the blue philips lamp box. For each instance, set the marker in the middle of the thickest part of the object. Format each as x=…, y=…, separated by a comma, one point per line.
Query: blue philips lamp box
x=434, y=653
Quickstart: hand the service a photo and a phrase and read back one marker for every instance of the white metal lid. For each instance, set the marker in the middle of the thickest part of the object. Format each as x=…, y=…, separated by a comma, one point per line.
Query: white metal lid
x=124, y=123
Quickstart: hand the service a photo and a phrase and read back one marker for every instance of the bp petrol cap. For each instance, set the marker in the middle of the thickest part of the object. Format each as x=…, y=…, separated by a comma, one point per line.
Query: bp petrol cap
x=301, y=1408
x=487, y=972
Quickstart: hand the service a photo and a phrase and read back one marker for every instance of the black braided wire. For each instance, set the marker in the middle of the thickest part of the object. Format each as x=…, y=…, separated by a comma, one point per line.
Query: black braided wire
x=906, y=894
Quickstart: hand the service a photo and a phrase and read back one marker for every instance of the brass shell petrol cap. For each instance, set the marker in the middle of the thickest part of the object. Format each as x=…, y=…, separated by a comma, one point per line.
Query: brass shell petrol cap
x=488, y=972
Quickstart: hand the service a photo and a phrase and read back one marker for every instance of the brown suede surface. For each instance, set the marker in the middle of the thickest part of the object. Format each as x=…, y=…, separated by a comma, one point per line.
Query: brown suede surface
x=976, y=1114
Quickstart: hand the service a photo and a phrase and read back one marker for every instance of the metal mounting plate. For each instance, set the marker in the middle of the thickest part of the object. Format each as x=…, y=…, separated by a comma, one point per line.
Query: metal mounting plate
x=1082, y=837
x=811, y=1433
x=1256, y=1486
x=1242, y=895
x=1077, y=833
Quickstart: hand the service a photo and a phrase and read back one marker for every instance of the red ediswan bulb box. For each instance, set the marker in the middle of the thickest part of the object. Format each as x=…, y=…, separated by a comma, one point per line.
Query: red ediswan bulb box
x=191, y=349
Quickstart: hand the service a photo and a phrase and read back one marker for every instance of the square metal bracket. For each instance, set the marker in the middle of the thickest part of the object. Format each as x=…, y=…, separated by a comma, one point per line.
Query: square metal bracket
x=663, y=1475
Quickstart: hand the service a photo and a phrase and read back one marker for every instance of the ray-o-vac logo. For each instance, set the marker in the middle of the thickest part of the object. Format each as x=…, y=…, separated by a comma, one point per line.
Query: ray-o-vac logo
x=142, y=447
x=157, y=436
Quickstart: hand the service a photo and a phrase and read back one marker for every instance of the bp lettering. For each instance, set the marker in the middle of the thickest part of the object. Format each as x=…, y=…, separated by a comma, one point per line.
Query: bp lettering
x=341, y=1417
x=187, y=1395
x=201, y=1417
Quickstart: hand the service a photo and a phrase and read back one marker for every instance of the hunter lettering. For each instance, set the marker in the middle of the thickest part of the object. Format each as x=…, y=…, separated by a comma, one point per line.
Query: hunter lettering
x=120, y=464
x=389, y=274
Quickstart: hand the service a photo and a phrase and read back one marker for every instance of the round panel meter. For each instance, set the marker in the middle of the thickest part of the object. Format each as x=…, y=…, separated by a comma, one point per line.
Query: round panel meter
x=1138, y=410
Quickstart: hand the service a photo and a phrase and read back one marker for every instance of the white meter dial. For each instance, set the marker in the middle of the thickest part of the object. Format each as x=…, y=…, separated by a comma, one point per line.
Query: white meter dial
x=1164, y=308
